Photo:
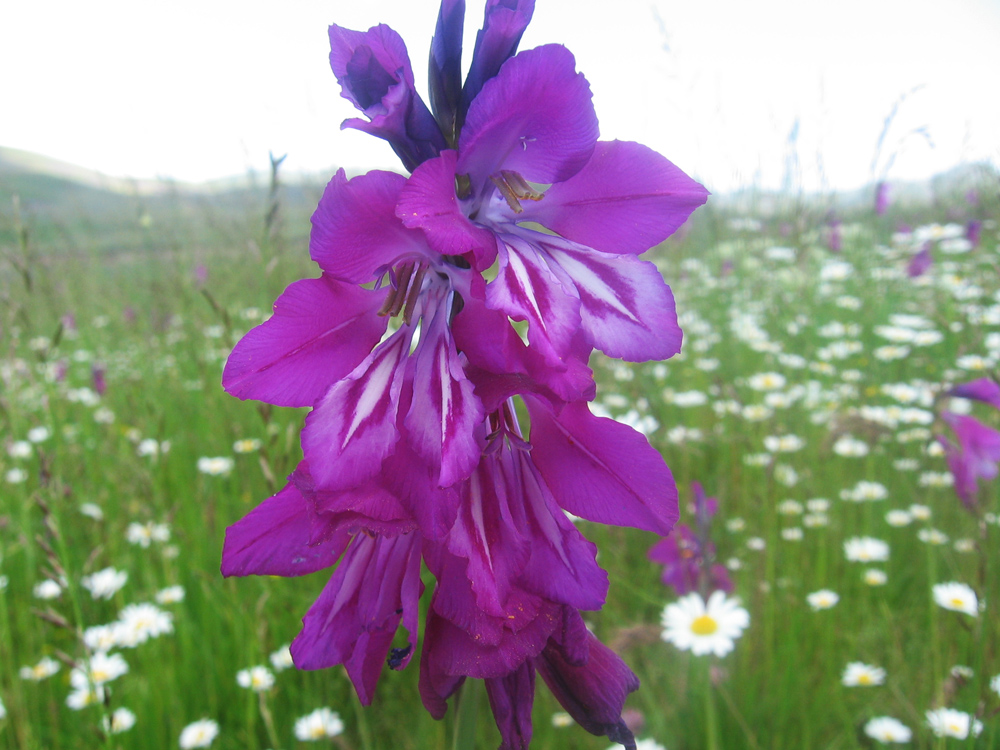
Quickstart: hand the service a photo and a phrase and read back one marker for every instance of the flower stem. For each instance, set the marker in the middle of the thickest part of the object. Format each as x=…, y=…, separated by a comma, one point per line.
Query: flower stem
x=711, y=719
x=465, y=721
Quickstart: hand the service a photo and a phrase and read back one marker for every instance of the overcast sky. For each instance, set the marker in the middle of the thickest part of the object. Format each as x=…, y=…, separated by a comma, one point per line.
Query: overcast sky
x=197, y=89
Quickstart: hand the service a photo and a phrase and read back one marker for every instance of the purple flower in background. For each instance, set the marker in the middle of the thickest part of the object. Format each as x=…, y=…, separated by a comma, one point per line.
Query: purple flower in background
x=405, y=351
x=834, y=235
x=977, y=453
x=881, y=198
x=921, y=262
x=688, y=556
x=974, y=232
x=97, y=374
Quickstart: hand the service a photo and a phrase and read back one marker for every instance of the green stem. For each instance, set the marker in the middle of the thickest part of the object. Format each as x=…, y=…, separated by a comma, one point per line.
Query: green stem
x=465, y=721
x=711, y=719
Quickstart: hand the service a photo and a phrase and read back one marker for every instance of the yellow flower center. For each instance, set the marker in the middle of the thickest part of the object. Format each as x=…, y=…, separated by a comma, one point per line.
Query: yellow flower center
x=704, y=625
x=956, y=602
x=864, y=679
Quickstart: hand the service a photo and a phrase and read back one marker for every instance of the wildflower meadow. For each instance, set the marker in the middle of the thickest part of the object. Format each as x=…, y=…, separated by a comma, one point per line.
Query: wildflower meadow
x=259, y=458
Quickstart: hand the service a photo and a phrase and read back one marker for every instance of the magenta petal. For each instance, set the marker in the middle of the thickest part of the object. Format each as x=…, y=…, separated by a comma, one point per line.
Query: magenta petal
x=535, y=117
x=626, y=308
x=320, y=331
x=526, y=288
x=354, y=621
x=593, y=693
x=983, y=389
x=511, y=699
x=602, y=470
x=444, y=412
x=626, y=200
x=355, y=230
x=428, y=201
x=274, y=539
x=976, y=457
x=353, y=428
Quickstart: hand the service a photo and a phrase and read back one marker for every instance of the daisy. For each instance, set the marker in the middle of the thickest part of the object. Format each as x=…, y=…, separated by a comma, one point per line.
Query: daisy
x=995, y=684
x=121, y=721
x=898, y=518
x=256, y=678
x=199, y=734
x=886, y=729
x=46, y=667
x=104, y=583
x=858, y=674
x=866, y=549
x=947, y=722
x=100, y=669
x=561, y=719
x=713, y=627
x=822, y=599
x=170, y=595
x=318, y=725
x=217, y=466
x=138, y=623
x=282, y=658
x=957, y=597
x=875, y=577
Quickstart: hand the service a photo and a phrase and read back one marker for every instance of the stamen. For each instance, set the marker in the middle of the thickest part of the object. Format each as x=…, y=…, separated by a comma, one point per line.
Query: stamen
x=411, y=298
x=514, y=188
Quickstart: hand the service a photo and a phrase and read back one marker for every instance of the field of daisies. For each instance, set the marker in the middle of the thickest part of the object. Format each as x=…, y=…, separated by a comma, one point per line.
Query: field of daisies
x=826, y=587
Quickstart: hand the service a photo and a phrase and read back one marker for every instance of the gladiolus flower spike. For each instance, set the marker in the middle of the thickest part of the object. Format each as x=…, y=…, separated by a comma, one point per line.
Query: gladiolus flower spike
x=416, y=450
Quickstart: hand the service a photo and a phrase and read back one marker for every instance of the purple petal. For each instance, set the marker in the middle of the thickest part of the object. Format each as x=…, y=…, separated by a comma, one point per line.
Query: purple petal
x=626, y=308
x=511, y=699
x=976, y=457
x=526, y=288
x=375, y=74
x=428, y=201
x=275, y=539
x=355, y=230
x=444, y=413
x=353, y=428
x=320, y=331
x=535, y=117
x=354, y=621
x=626, y=200
x=503, y=26
x=983, y=389
x=594, y=693
x=602, y=470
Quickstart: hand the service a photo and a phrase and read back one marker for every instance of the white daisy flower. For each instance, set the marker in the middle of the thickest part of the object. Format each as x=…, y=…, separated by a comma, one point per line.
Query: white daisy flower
x=282, y=659
x=121, y=721
x=947, y=722
x=898, y=518
x=47, y=589
x=86, y=696
x=318, y=725
x=46, y=667
x=104, y=583
x=561, y=719
x=217, y=466
x=866, y=549
x=145, y=534
x=137, y=623
x=875, y=577
x=257, y=678
x=886, y=729
x=200, y=733
x=822, y=599
x=702, y=627
x=859, y=674
x=170, y=595
x=100, y=669
x=957, y=597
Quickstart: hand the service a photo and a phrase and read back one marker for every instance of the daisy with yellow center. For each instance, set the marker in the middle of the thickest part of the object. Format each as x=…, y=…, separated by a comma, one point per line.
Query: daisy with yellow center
x=858, y=674
x=957, y=597
x=702, y=627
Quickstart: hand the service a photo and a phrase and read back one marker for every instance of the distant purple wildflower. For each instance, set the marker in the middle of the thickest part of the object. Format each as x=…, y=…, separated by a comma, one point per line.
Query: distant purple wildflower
x=974, y=232
x=881, y=198
x=413, y=451
x=688, y=556
x=921, y=262
x=977, y=452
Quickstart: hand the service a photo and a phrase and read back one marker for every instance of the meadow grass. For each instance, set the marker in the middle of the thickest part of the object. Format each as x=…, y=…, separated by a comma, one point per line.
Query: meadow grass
x=157, y=309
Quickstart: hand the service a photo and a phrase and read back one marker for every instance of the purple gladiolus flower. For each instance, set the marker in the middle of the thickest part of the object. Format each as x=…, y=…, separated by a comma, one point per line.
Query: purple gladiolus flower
x=986, y=390
x=975, y=457
x=405, y=351
x=688, y=556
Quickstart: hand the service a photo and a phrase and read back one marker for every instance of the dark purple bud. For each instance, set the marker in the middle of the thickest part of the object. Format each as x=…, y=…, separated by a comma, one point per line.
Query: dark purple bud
x=62, y=367
x=497, y=41
x=511, y=698
x=374, y=72
x=445, y=69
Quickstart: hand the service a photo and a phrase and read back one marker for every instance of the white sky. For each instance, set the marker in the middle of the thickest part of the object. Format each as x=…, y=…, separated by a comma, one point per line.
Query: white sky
x=196, y=89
